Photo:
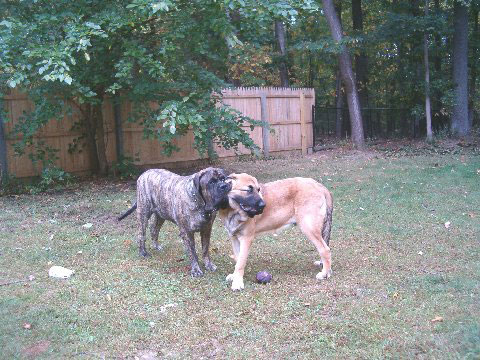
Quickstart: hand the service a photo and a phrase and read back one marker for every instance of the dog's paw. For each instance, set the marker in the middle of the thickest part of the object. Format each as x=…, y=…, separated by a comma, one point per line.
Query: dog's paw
x=318, y=263
x=158, y=247
x=210, y=266
x=322, y=275
x=237, y=284
x=196, y=271
x=144, y=253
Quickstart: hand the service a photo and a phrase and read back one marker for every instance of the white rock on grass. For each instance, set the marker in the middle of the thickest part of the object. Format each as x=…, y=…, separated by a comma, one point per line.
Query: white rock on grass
x=60, y=272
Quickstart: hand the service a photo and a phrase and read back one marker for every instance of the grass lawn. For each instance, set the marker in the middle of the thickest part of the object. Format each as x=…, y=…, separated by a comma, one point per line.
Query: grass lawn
x=404, y=284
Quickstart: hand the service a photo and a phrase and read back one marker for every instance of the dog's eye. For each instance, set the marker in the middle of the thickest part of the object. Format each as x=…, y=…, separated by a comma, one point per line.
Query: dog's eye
x=250, y=189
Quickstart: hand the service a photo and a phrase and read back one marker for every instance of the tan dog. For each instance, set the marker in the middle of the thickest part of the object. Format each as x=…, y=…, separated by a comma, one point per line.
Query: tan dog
x=259, y=208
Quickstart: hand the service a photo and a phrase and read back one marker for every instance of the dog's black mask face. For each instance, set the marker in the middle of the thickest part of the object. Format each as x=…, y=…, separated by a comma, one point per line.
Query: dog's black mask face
x=252, y=203
x=246, y=193
x=213, y=188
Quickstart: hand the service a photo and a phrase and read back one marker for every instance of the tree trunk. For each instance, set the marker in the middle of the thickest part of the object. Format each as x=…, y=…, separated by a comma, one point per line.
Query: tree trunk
x=473, y=83
x=338, y=85
x=3, y=153
x=347, y=76
x=437, y=65
x=100, y=139
x=117, y=115
x=361, y=60
x=427, y=82
x=339, y=106
x=95, y=137
x=90, y=138
x=282, y=45
x=438, y=43
x=460, y=70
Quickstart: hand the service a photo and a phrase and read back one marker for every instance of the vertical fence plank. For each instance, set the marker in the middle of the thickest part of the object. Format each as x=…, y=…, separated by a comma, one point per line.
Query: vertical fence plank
x=265, y=130
x=303, y=125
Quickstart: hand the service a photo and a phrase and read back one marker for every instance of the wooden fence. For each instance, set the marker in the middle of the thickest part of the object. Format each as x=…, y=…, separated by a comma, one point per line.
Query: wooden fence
x=288, y=112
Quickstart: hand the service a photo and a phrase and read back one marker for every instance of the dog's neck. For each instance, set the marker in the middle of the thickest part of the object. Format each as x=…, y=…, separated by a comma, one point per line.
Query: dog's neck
x=234, y=222
x=234, y=218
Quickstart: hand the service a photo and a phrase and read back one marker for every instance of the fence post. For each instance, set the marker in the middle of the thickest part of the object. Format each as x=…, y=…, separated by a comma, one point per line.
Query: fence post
x=3, y=152
x=265, y=129
x=303, y=124
x=313, y=127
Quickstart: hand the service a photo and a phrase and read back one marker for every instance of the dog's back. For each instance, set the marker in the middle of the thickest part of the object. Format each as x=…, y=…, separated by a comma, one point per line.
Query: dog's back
x=288, y=199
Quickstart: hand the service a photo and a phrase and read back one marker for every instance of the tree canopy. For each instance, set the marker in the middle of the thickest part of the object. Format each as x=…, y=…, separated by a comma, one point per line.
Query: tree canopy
x=71, y=56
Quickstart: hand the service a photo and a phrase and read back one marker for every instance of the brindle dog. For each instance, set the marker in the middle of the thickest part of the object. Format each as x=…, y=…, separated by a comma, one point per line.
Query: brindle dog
x=188, y=201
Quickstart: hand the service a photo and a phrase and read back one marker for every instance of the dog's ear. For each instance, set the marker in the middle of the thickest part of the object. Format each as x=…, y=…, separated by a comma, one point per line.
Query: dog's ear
x=223, y=173
x=196, y=179
x=231, y=178
x=207, y=197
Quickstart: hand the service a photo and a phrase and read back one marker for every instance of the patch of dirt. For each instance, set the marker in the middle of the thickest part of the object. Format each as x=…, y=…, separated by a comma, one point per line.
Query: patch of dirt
x=147, y=355
x=36, y=349
x=111, y=220
x=398, y=147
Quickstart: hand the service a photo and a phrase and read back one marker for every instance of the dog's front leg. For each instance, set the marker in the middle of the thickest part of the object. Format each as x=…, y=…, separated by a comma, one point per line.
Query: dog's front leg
x=189, y=243
x=235, y=248
x=237, y=277
x=205, y=234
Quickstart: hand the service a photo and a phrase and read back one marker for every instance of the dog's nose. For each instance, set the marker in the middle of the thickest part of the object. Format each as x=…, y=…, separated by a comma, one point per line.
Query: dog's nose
x=261, y=204
x=224, y=186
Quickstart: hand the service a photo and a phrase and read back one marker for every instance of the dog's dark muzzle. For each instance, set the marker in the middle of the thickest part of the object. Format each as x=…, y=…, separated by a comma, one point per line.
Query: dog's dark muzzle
x=221, y=196
x=252, y=208
x=260, y=206
x=225, y=187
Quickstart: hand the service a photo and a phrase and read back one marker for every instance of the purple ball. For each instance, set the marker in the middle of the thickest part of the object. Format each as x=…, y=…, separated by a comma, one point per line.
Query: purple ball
x=264, y=277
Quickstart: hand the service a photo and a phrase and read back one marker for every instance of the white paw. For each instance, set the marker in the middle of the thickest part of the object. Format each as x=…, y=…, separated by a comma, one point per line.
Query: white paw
x=324, y=275
x=237, y=284
x=318, y=263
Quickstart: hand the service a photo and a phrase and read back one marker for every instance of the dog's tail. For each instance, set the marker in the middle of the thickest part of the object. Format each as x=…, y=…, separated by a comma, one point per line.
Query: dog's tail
x=129, y=211
x=327, y=224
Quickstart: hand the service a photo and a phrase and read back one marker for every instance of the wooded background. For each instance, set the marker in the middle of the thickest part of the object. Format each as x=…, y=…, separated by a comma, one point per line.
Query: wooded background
x=384, y=68
x=281, y=109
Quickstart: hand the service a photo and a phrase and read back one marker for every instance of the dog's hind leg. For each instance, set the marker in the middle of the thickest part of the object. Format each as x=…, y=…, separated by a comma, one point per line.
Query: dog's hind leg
x=155, y=230
x=189, y=243
x=142, y=229
x=205, y=234
x=312, y=228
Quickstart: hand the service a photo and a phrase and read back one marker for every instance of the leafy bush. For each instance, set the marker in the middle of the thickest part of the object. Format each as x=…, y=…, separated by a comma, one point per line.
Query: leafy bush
x=11, y=185
x=125, y=168
x=52, y=177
